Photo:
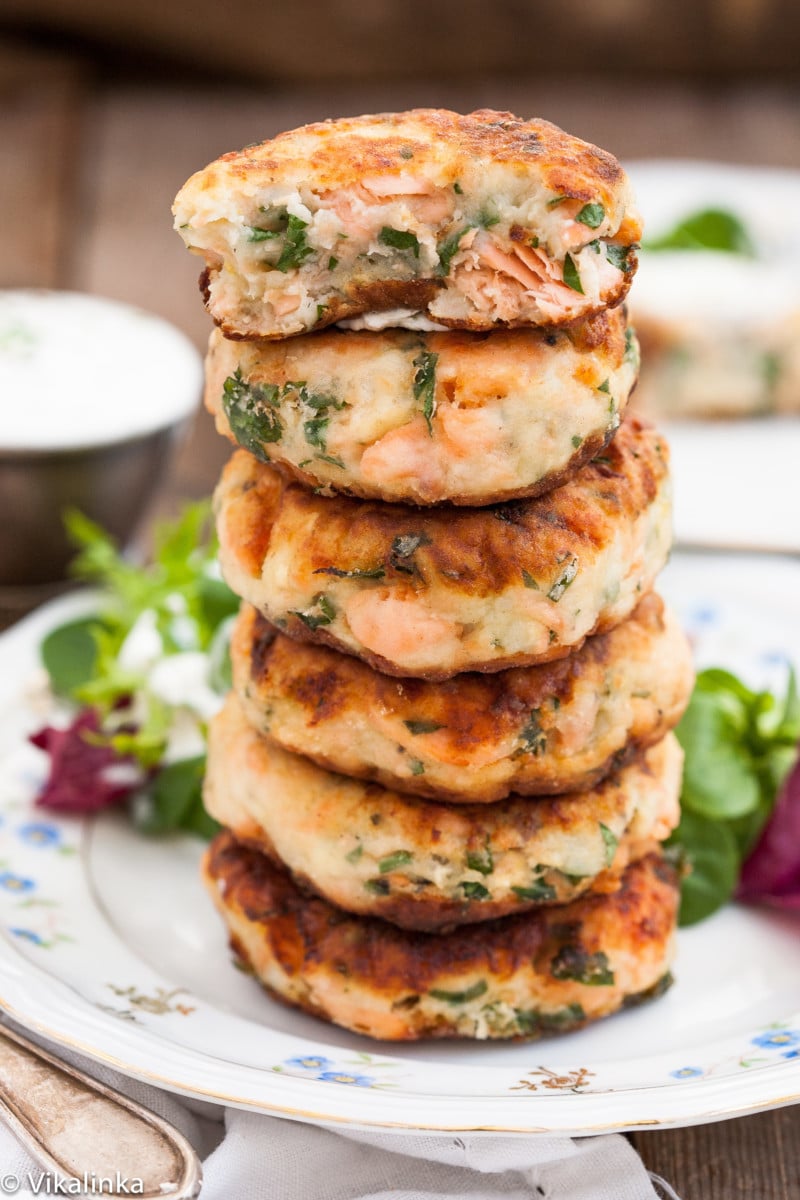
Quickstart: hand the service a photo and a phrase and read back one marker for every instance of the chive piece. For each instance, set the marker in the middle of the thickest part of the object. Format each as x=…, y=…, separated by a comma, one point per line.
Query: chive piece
x=324, y=616
x=316, y=432
x=631, y=354
x=618, y=257
x=417, y=727
x=251, y=412
x=399, y=239
x=610, y=842
x=605, y=386
x=400, y=858
x=554, y=203
x=333, y=262
x=262, y=235
x=532, y=736
x=528, y=579
x=573, y=962
x=329, y=458
x=571, y=275
x=538, y=891
x=471, y=993
x=591, y=215
x=474, y=891
x=425, y=385
x=448, y=248
x=481, y=861
x=416, y=767
x=378, y=887
x=564, y=580
x=356, y=573
x=355, y=854
x=576, y=441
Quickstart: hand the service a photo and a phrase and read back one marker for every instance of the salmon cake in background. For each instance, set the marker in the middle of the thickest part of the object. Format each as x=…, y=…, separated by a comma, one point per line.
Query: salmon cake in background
x=469, y=222
x=558, y=727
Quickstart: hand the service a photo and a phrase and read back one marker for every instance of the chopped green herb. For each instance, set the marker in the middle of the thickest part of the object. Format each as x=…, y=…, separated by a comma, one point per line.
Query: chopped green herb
x=486, y=219
x=403, y=548
x=533, y=738
x=709, y=229
x=471, y=993
x=563, y=581
x=295, y=248
x=355, y=573
x=553, y=636
x=329, y=458
x=538, y=891
x=323, y=616
x=554, y=203
x=481, y=861
x=416, y=767
x=573, y=962
x=532, y=1021
x=631, y=354
x=591, y=215
x=534, y=242
x=400, y=858
x=399, y=239
x=474, y=891
x=263, y=235
x=457, y=188
x=333, y=262
x=316, y=431
x=251, y=412
x=425, y=384
x=418, y=727
x=529, y=581
x=618, y=257
x=571, y=274
x=406, y=153
x=610, y=842
x=378, y=887
x=605, y=385
x=576, y=441
x=448, y=248
x=355, y=854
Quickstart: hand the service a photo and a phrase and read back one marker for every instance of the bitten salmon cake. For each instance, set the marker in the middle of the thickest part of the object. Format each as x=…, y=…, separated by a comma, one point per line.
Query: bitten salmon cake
x=521, y=977
x=433, y=592
x=557, y=727
x=427, y=417
x=469, y=222
x=427, y=865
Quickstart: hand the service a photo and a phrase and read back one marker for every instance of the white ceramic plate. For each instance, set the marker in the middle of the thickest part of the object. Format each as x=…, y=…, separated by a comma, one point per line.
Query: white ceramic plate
x=109, y=945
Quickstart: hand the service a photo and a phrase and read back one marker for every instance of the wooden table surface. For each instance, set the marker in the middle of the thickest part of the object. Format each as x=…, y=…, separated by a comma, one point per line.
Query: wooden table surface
x=87, y=176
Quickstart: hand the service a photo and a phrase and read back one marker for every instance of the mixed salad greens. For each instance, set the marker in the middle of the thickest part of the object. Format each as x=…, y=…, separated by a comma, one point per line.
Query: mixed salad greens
x=144, y=671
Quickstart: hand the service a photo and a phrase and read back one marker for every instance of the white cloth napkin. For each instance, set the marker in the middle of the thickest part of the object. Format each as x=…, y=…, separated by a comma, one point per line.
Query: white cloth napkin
x=248, y=1156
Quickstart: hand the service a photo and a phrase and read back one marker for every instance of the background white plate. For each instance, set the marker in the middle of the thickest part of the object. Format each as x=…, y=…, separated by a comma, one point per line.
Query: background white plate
x=111, y=946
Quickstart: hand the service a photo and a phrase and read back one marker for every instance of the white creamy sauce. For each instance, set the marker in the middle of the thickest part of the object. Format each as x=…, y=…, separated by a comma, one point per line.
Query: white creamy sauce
x=392, y=318
x=78, y=370
x=717, y=287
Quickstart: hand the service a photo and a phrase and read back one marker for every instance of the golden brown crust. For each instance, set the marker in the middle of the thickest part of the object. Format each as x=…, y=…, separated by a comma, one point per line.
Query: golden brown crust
x=339, y=967
x=461, y=557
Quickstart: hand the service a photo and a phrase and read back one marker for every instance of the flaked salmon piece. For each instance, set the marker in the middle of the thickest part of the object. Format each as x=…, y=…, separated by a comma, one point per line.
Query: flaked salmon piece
x=398, y=627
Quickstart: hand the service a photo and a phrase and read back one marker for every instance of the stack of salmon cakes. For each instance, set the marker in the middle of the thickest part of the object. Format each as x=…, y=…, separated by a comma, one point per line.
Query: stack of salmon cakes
x=446, y=764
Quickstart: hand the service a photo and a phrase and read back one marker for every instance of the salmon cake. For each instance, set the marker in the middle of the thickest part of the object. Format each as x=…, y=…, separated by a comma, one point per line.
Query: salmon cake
x=469, y=222
x=433, y=592
x=558, y=727
x=524, y=976
x=425, y=418
x=428, y=865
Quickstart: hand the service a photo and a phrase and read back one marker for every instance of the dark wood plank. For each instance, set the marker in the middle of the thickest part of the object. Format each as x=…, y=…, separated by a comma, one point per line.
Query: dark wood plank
x=752, y=1158
x=40, y=99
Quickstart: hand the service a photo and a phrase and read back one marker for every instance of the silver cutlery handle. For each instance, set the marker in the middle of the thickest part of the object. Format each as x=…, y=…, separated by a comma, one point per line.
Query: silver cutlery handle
x=78, y=1128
